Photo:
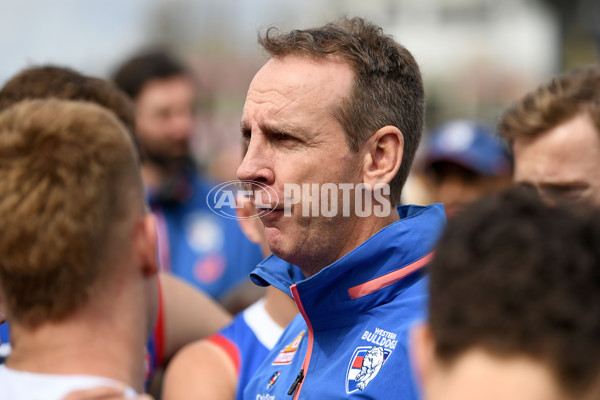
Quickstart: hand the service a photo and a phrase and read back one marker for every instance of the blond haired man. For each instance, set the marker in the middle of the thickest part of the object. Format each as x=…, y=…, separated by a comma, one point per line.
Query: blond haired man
x=555, y=135
x=77, y=254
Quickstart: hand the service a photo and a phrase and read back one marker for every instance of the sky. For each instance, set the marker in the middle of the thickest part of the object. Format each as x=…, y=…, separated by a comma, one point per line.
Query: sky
x=95, y=35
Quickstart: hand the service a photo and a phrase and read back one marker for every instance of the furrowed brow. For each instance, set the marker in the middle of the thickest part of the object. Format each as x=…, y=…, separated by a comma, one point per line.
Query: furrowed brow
x=245, y=129
x=282, y=130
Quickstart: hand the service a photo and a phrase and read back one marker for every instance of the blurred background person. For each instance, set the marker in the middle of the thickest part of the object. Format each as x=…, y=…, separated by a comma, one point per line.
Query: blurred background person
x=201, y=247
x=460, y=162
x=514, y=304
x=555, y=135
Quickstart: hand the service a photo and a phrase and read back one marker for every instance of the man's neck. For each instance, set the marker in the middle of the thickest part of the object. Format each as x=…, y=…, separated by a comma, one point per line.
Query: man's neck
x=363, y=229
x=82, y=345
x=280, y=306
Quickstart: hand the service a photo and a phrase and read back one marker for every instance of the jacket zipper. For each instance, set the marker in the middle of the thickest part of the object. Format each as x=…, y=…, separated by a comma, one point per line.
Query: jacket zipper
x=298, y=382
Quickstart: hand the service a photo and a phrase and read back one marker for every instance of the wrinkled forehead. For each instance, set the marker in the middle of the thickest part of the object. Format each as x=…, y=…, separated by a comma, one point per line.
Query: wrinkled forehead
x=309, y=81
x=569, y=149
x=562, y=162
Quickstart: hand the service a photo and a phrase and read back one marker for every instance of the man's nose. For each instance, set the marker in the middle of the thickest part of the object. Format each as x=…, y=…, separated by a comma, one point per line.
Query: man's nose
x=182, y=126
x=257, y=164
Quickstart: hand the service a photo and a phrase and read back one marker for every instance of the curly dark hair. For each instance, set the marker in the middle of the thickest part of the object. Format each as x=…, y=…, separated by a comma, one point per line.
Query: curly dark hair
x=388, y=88
x=514, y=275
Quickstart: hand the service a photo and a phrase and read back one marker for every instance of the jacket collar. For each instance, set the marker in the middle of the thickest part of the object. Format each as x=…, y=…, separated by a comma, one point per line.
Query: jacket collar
x=373, y=273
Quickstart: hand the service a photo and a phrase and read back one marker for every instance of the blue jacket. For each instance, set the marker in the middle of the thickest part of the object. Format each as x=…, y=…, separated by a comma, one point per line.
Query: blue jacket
x=351, y=337
x=249, y=338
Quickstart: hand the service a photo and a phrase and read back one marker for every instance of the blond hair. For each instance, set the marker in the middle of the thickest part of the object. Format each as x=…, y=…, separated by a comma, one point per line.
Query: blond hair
x=68, y=176
x=553, y=103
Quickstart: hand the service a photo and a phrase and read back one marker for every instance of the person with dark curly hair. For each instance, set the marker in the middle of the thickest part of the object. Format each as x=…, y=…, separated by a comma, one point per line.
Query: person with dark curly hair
x=514, y=303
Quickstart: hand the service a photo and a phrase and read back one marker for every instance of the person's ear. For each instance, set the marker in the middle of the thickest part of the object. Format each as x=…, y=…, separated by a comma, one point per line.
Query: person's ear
x=423, y=352
x=146, y=244
x=383, y=152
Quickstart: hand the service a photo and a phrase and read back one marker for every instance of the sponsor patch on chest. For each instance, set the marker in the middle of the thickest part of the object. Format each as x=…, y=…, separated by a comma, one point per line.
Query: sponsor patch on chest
x=286, y=355
x=366, y=361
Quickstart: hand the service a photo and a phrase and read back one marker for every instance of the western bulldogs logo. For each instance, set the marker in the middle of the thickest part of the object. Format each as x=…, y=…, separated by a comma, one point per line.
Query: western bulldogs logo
x=365, y=363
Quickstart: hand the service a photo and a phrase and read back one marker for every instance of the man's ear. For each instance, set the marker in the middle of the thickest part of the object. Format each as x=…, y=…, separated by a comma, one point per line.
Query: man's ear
x=422, y=348
x=146, y=244
x=383, y=152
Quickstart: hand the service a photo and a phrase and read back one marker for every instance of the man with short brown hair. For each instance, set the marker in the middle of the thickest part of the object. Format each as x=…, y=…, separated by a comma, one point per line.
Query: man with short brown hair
x=555, y=135
x=77, y=254
x=173, y=327
x=46, y=81
x=331, y=123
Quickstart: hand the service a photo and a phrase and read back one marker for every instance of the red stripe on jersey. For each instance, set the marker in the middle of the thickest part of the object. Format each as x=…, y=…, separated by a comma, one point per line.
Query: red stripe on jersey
x=159, y=328
x=388, y=279
x=230, y=349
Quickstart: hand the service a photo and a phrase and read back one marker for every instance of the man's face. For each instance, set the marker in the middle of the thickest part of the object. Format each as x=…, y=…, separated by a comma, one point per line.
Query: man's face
x=164, y=116
x=562, y=163
x=292, y=137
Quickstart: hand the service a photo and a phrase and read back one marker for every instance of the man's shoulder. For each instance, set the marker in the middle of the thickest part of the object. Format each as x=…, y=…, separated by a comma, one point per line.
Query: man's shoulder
x=21, y=385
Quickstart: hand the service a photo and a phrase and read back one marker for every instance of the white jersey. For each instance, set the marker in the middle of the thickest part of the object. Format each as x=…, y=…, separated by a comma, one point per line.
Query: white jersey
x=19, y=385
